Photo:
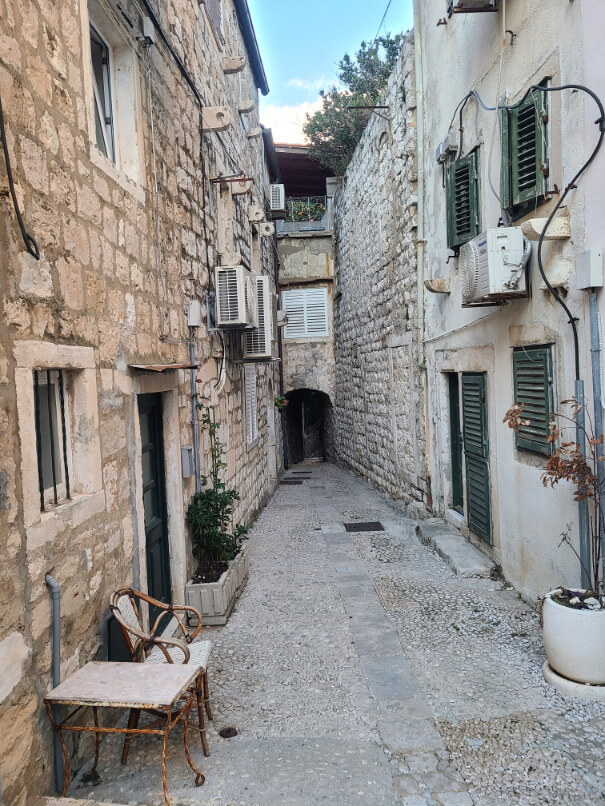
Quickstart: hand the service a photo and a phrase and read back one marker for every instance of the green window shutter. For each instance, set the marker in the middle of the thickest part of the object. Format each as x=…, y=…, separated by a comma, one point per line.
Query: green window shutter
x=528, y=150
x=533, y=379
x=476, y=453
x=505, y=168
x=462, y=189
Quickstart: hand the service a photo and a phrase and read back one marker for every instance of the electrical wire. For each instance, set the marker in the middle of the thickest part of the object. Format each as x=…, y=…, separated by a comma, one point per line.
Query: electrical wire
x=30, y=242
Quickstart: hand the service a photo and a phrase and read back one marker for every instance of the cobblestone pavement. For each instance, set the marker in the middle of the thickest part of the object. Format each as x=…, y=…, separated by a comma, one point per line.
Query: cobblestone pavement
x=358, y=669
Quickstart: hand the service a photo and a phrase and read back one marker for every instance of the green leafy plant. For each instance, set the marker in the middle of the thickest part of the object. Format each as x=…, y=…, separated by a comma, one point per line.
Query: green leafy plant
x=280, y=402
x=335, y=130
x=210, y=513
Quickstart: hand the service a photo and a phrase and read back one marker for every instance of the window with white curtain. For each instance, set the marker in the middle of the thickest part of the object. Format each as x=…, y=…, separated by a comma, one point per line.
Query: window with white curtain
x=251, y=405
x=307, y=310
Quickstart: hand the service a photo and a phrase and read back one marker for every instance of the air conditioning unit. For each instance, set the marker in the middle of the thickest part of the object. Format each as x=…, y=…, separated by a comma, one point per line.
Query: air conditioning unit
x=259, y=343
x=277, y=200
x=492, y=266
x=470, y=6
x=236, y=306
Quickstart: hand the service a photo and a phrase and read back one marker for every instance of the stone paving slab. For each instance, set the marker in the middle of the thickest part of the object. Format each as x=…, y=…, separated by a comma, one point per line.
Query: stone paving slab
x=362, y=657
x=462, y=557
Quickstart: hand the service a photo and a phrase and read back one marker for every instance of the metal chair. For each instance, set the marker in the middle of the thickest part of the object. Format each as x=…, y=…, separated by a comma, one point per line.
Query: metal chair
x=149, y=647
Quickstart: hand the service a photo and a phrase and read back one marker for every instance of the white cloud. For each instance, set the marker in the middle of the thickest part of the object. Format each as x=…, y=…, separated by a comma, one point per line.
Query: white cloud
x=302, y=84
x=286, y=122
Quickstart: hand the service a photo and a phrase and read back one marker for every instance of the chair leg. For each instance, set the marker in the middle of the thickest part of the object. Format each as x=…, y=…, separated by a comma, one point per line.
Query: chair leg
x=133, y=721
x=207, y=696
x=199, y=693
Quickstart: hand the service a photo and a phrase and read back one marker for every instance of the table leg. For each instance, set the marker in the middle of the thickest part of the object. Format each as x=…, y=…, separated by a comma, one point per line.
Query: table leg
x=199, y=693
x=133, y=721
x=199, y=776
x=164, y=745
x=95, y=713
x=207, y=696
x=63, y=748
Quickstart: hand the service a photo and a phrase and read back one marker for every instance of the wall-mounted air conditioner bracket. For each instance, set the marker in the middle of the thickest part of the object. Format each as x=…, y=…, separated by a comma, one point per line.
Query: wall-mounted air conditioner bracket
x=558, y=230
x=215, y=118
x=211, y=312
x=233, y=64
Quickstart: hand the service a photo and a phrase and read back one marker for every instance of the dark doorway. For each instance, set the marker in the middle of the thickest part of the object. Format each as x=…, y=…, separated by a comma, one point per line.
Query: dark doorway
x=307, y=420
x=154, y=500
x=455, y=443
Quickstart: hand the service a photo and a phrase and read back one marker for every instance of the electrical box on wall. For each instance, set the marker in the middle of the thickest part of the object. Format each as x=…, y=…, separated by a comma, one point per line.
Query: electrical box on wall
x=589, y=269
x=194, y=313
x=187, y=465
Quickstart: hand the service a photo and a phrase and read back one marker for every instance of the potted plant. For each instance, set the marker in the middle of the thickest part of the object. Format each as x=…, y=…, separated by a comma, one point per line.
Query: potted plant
x=574, y=619
x=280, y=402
x=218, y=547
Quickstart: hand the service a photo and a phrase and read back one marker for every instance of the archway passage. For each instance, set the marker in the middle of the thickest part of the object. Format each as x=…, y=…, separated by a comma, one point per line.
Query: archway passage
x=308, y=420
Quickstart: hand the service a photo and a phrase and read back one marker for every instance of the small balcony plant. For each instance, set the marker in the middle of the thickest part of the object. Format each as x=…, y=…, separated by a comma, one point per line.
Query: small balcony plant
x=574, y=618
x=215, y=541
x=280, y=402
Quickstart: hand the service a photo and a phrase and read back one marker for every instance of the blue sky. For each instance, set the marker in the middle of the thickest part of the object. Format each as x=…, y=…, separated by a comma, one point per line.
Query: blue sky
x=301, y=44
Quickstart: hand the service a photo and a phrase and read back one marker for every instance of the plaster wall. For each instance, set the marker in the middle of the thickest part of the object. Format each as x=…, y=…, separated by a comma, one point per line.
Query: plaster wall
x=527, y=518
x=124, y=247
x=378, y=419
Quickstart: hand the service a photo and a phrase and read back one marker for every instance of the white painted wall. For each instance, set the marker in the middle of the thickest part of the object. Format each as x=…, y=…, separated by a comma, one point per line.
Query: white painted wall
x=465, y=55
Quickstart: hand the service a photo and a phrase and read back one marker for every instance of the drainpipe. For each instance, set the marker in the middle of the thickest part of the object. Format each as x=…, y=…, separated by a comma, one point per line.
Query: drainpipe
x=55, y=594
x=194, y=419
x=597, y=392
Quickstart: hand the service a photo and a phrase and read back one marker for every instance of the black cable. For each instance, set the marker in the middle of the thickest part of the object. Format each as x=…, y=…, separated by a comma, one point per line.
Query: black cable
x=30, y=242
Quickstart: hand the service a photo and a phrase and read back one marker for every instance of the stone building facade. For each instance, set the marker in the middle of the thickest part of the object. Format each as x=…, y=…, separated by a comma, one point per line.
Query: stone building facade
x=379, y=413
x=130, y=191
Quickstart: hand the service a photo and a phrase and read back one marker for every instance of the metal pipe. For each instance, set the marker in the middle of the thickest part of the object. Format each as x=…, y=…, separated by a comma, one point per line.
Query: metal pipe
x=597, y=359
x=583, y=505
x=55, y=594
x=194, y=418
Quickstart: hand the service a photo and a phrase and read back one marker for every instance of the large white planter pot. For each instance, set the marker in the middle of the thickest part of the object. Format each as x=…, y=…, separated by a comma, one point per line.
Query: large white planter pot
x=574, y=641
x=215, y=600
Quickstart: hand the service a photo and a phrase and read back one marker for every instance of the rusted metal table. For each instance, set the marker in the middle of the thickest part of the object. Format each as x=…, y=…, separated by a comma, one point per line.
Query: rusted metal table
x=168, y=689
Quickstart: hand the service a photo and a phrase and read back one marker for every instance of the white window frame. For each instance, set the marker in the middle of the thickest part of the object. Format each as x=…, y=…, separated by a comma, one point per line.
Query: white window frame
x=251, y=405
x=307, y=310
x=107, y=129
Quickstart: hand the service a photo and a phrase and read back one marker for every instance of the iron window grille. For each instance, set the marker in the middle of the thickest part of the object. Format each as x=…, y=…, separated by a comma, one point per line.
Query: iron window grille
x=101, y=84
x=462, y=194
x=533, y=382
x=51, y=436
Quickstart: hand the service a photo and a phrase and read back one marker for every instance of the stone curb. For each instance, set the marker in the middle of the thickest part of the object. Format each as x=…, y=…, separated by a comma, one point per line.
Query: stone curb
x=462, y=557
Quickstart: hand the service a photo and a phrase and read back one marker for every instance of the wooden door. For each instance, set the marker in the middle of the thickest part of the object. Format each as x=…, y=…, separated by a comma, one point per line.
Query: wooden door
x=476, y=453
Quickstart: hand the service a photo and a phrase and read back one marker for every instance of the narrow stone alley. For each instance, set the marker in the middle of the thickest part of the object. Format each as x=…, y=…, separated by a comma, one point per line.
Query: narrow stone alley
x=358, y=668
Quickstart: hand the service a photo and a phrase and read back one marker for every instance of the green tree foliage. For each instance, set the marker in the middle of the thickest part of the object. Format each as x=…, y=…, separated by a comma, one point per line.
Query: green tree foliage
x=334, y=130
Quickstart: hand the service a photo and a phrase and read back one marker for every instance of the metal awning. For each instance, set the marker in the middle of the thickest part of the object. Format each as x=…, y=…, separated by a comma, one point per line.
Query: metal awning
x=160, y=367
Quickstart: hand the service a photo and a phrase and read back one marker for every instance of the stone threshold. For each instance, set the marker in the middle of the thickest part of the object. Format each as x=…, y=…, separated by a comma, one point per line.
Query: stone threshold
x=462, y=557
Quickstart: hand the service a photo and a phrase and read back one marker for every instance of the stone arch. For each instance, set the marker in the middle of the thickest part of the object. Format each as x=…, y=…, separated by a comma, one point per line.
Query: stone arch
x=308, y=425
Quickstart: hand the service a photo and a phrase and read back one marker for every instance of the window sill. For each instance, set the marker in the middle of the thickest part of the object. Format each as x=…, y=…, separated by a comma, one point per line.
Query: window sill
x=64, y=517
x=109, y=168
x=251, y=445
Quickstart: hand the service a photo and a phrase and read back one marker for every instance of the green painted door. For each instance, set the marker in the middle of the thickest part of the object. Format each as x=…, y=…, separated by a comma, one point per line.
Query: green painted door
x=455, y=443
x=154, y=501
x=476, y=453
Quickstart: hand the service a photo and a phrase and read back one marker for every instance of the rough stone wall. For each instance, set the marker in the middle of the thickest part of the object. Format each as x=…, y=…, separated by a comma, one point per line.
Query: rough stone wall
x=378, y=422
x=118, y=265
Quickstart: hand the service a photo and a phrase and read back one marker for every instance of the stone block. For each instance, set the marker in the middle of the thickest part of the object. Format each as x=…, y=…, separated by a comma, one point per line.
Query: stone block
x=14, y=653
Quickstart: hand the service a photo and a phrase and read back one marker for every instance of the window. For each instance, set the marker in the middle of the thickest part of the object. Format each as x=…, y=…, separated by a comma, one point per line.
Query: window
x=215, y=16
x=462, y=190
x=307, y=310
x=251, y=405
x=101, y=85
x=524, y=154
x=533, y=379
x=52, y=441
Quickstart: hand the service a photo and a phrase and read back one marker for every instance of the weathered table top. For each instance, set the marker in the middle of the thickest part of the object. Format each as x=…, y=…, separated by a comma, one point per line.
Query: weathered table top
x=125, y=685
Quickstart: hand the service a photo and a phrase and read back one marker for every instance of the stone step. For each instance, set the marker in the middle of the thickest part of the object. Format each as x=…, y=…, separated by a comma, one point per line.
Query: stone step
x=66, y=802
x=462, y=557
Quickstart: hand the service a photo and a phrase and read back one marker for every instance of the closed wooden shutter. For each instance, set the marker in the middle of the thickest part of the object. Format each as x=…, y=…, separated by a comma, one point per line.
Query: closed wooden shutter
x=476, y=454
x=524, y=153
x=214, y=12
x=462, y=188
x=307, y=310
x=250, y=404
x=533, y=380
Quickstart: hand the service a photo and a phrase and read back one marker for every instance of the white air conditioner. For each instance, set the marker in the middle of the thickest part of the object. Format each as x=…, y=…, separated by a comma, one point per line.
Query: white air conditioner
x=493, y=265
x=259, y=343
x=277, y=198
x=235, y=298
x=470, y=6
